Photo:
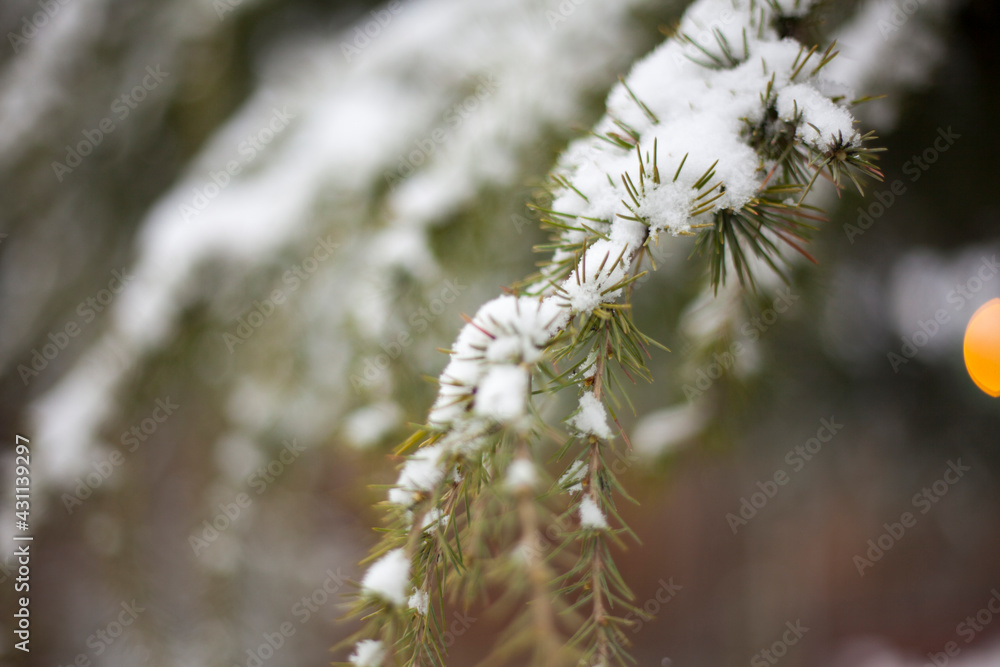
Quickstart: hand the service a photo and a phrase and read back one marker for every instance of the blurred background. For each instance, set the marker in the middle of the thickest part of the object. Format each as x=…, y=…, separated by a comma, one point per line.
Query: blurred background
x=233, y=234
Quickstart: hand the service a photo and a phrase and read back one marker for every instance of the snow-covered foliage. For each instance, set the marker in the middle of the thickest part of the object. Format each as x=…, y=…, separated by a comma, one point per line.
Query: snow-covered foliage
x=571, y=479
x=723, y=139
x=692, y=120
x=875, y=54
x=340, y=181
x=421, y=473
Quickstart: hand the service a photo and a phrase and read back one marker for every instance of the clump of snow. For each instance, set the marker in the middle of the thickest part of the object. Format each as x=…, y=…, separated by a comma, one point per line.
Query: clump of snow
x=590, y=365
x=629, y=233
x=823, y=122
x=521, y=476
x=591, y=515
x=466, y=438
x=432, y=518
x=591, y=418
x=419, y=601
x=599, y=270
x=573, y=477
x=669, y=206
x=486, y=359
x=457, y=381
x=422, y=472
x=503, y=393
x=368, y=653
x=389, y=578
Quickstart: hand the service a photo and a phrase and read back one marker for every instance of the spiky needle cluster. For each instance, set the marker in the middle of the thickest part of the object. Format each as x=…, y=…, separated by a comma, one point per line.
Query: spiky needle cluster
x=720, y=133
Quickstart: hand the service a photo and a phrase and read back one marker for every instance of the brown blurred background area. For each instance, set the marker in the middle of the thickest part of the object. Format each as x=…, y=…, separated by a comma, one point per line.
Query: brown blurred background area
x=213, y=362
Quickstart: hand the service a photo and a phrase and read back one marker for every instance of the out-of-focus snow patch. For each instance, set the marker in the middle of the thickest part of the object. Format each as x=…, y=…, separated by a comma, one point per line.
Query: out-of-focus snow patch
x=369, y=424
x=931, y=296
x=885, y=50
x=382, y=149
x=522, y=475
x=661, y=432
x=237, y=456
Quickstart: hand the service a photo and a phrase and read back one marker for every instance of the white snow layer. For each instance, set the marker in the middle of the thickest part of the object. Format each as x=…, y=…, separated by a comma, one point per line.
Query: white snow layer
x=700, y=117
x=503, y=393
x=573, y=477
x=388, y=578
x=368, y=653
x=421, y=472
x=823, y=122
x=591, y=515
x=484, y=366
x=419, y=601
x=592, y=418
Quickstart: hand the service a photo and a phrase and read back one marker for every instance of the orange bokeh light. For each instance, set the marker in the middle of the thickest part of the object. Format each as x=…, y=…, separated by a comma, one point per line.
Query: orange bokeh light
x=982, y=347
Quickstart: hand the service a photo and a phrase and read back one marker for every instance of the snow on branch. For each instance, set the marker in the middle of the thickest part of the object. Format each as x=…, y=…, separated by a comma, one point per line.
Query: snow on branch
x=719, y=133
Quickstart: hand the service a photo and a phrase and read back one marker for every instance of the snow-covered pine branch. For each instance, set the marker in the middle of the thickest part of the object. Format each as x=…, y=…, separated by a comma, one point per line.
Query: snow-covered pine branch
x=722, y=138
